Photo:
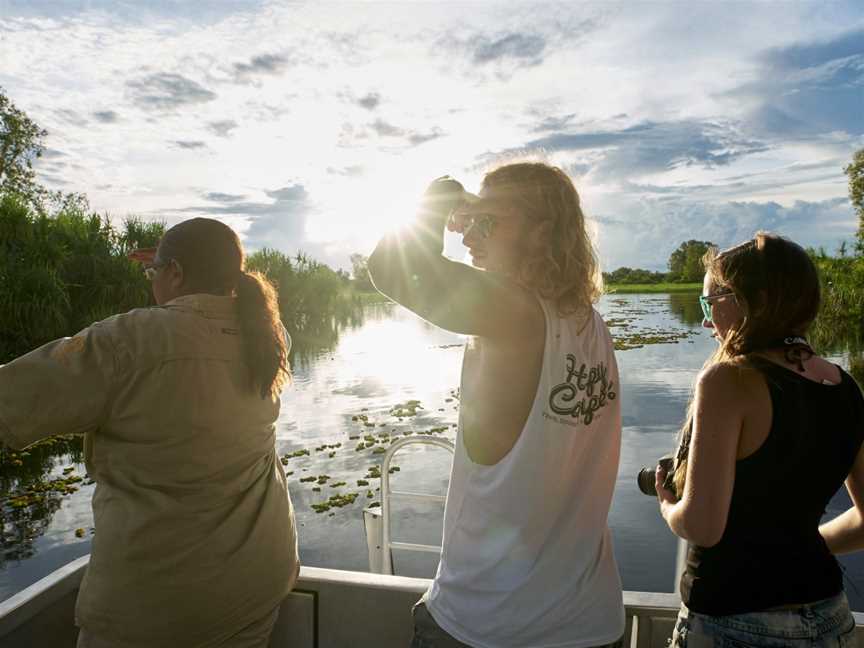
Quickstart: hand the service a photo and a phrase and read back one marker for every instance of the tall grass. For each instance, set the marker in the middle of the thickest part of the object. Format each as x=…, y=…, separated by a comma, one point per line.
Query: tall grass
x=60, y=273
x=839, y=328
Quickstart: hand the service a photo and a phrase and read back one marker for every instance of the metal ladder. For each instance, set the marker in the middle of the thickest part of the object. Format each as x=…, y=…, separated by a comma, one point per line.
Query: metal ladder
x=377, y=522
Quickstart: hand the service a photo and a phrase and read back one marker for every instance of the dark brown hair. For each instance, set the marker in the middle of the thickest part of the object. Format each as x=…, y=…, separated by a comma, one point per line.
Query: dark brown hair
x=558, y=262
x=212, y=259
x=776, y=284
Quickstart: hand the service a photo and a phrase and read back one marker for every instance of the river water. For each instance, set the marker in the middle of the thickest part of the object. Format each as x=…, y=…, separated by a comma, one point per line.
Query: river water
x=344, y=408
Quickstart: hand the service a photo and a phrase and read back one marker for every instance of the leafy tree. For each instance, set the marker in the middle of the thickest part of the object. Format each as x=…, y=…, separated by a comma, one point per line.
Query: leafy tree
x=20, y=146
x=360, y=271
x=855, y=172
x=685, y=263
x=625, y=275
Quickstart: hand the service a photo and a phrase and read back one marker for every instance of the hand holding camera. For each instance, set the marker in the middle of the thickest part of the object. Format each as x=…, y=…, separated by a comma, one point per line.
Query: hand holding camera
x=647, y=477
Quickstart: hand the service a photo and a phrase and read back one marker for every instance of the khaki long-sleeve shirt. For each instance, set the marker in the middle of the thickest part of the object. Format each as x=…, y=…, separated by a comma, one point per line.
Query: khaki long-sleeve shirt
x=195, y=534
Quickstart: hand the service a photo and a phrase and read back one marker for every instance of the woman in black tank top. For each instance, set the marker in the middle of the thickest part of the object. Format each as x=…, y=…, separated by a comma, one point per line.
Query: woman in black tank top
x=772, y=433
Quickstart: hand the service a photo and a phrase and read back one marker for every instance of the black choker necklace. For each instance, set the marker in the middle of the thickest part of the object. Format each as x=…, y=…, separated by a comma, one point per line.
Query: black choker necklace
x=796, y=349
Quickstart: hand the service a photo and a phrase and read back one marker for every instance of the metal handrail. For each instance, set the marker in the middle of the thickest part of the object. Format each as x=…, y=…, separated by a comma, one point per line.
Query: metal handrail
x=386, y=544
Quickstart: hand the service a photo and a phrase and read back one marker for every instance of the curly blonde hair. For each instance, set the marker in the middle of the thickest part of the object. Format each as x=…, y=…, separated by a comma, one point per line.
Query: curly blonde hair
x=558, y=260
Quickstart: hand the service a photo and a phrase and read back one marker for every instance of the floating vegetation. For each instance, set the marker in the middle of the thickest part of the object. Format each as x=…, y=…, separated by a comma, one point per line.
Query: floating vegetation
x=37, y=491
x=379, y=451
x=288, y=473
x=79, y=533
x=394, y=469
x=335, y=501
x=336, y=484
x=321, y=448
x=297, y=453
x=616, y=322
x=317, y=489
x=374, y=472
x=641, y=339
x=362, y=482
x=374, y=504
x=408, y=408
x=323, y=479
x=310, y=478
x=369, y=494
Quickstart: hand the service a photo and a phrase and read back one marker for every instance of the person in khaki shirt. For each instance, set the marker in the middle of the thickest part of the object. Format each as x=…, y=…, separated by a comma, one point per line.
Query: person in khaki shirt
x=195, y=542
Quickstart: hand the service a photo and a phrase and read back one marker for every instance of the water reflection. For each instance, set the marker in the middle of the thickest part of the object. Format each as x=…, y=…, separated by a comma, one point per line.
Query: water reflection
x=364, y=362
x=32, y=492
x=685, y=307
x=322, y=335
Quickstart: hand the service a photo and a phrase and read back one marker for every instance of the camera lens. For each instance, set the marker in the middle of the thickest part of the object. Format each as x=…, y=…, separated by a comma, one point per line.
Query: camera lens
x=645, y=479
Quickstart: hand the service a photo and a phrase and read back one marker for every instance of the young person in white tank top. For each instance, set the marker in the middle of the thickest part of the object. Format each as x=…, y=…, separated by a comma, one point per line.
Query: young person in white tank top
x=527, y=556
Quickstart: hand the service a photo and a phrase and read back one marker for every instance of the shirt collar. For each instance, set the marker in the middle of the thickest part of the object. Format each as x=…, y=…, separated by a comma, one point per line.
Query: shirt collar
x=210, y=306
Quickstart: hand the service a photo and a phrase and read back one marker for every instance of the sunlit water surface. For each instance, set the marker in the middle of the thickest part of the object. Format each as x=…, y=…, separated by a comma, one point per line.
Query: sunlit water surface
x=388, y=356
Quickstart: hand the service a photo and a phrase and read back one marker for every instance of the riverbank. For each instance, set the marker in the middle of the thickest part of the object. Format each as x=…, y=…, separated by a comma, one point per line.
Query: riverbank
x=632, y=289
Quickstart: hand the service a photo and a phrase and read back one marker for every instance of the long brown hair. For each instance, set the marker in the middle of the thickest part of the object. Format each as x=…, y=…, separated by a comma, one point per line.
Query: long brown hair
x=559, y=262
x=777, y=287
x=213, y=263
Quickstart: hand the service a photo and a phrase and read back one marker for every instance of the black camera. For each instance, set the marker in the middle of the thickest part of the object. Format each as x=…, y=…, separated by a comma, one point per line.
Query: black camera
x=646, y=478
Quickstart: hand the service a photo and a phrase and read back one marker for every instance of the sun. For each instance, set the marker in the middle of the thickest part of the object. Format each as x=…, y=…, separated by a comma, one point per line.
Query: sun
x=360, y=203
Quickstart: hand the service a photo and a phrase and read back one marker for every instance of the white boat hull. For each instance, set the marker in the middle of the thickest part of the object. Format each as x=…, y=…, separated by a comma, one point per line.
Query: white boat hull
x=329, y=608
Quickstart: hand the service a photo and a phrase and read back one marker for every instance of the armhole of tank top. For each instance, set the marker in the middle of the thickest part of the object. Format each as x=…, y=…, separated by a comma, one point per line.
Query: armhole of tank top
x=536, y=404
x=771, y=388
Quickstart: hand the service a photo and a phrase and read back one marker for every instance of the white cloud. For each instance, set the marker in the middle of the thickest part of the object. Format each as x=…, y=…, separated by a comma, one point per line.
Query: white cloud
x=721, y=117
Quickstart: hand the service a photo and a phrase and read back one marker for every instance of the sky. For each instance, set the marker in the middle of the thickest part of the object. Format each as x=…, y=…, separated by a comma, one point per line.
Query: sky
x=316, y=126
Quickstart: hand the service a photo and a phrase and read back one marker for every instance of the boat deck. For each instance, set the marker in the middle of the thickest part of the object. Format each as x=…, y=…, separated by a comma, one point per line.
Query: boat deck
x=328, y=609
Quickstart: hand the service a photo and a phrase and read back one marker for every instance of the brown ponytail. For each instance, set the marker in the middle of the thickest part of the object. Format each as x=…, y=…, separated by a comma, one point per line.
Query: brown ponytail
x=265, y=340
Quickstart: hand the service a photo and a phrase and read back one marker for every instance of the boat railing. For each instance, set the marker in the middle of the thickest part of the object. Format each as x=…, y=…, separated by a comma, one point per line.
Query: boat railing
x=378, y=533
x=328, y=608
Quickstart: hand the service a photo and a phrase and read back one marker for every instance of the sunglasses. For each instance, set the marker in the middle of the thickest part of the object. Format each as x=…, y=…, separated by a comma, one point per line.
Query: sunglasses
x=706, y=301
x=485, y=223
x=151, y=269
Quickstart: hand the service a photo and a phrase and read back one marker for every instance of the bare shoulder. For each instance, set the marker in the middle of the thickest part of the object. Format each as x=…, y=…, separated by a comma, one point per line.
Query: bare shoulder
x=517, y=316
x=820, y=369
x=731, y=381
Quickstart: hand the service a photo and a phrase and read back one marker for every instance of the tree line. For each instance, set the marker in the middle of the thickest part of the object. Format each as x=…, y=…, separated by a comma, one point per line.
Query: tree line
x=685, y=266
x=63, y=266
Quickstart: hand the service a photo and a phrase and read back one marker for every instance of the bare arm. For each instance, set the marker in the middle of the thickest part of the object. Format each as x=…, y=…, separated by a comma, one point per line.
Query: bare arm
x=845, y=533
x=700, y=515
x=409, y=268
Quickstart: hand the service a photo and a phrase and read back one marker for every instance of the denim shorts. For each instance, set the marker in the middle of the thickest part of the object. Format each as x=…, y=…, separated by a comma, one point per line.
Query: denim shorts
x=814, y=625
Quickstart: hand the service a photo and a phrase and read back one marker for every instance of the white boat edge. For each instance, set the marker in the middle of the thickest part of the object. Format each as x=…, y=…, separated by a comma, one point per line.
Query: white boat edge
x=328, y=608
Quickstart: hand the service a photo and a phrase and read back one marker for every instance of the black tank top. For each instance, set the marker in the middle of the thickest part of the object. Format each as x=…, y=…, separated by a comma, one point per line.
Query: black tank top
x=771, y=552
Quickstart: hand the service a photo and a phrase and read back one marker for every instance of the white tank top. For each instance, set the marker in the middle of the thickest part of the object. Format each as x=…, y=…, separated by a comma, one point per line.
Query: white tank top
x=527, y=557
